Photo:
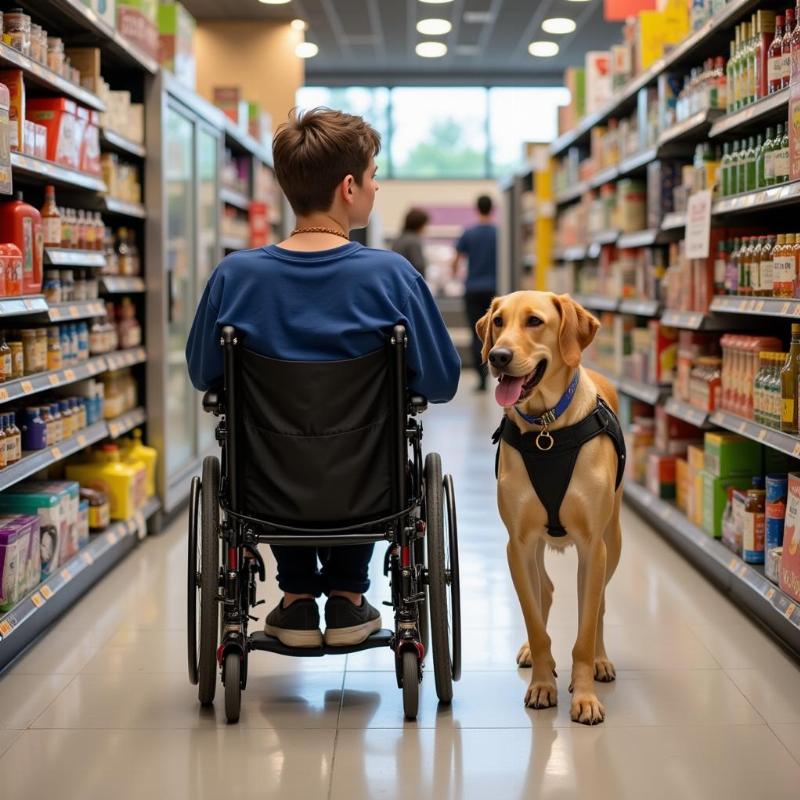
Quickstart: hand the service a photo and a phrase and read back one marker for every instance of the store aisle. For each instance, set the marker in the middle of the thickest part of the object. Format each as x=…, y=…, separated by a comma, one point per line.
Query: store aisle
x=705, y=705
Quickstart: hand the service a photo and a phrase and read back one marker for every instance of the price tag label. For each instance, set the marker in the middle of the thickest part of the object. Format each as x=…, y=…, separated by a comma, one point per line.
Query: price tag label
x=3, y=394
x=55, y=314
x=742, y=570
x=47, y=592
x=130, y=526
x=69, y=374
x=796, y=450
x=37, y=599
x=74, y=312
x=27, y=387
x=789, y=610
x=81, y=440
x=762, y=435
x=91, y=368
x=66, y=574
x=770, y=594
x=87, y=557
x=5, y=627
x=55, y=452
x=795, y=310
x=742, y=427
x=113, y=429
x=112, y=537
x=695, y=321
x=760, y=305
x=732, y=564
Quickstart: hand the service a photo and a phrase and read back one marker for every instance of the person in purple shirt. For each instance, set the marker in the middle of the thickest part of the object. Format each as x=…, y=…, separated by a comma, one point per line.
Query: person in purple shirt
x=317, y=296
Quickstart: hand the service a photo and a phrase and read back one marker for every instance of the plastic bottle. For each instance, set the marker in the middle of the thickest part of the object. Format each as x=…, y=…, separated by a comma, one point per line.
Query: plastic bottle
x=21, y=224
x=775, y=58
x=134, y=449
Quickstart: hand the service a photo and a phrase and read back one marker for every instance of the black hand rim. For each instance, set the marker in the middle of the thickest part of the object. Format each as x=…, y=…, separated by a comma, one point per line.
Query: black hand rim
x=453, y=576
x=193, y=584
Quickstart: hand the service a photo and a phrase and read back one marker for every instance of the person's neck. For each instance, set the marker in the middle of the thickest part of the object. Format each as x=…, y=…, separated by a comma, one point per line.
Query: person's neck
x=484, y=220
x=309, y=238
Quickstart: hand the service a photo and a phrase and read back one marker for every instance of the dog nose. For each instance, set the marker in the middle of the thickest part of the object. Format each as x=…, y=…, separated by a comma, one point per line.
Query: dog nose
x=500, y=357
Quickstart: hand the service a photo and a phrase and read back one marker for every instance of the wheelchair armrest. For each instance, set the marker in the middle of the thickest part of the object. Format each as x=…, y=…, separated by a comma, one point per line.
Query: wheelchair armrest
x=417, y=404
x=212, y=403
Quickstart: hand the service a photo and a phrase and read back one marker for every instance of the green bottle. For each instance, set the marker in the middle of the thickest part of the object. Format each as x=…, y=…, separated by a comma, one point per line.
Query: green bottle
x=724, y=168
x=769, y=158
x=742, y=179
x=733, y=178
x=750, y=169
x=782, y=160
x=759, y=162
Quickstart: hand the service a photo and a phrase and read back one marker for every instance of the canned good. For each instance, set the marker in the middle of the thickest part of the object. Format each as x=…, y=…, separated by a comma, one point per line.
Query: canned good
x=17, y=360
x=775, y=510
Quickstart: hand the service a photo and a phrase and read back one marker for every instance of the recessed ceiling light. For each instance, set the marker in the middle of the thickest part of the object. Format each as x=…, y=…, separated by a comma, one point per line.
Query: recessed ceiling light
x=431, y=49
x=299, y=24
x=306, y=50
x=543, y=49
x=558, y=25
x=436, y=2
x=577, y=1
x=274, y=2
x=434, y=27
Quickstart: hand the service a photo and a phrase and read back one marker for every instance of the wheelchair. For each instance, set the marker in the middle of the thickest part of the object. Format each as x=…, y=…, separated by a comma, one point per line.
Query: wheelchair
x=322, y=454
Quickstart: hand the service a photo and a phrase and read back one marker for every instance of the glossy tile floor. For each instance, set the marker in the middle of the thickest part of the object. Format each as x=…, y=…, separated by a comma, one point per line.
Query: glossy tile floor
x=705, y=705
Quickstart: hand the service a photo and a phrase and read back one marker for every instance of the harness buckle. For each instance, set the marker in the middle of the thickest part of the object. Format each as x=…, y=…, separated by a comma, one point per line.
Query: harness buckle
x=544, y=441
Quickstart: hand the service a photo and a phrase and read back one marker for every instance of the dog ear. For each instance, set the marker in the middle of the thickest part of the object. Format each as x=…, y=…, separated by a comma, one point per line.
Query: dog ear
x=577, y=330
x=484, y=329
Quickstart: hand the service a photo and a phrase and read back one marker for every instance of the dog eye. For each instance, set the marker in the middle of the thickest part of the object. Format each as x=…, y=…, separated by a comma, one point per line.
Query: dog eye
x=498, y=322
x=534, y=322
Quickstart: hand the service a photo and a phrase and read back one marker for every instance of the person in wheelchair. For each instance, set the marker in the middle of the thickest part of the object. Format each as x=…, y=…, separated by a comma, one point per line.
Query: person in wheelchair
x=317, y=296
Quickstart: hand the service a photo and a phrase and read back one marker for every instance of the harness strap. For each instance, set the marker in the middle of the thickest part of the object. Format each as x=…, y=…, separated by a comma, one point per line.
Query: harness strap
x=550, y=471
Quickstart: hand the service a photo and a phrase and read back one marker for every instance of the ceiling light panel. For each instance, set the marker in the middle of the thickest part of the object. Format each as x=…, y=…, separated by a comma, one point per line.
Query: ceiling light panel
x=543, y=49
x=431, y=49
x=434, y=27
x=558, y=25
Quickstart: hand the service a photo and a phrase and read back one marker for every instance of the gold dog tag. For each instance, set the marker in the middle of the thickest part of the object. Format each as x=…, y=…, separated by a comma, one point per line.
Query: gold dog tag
x=544, y=441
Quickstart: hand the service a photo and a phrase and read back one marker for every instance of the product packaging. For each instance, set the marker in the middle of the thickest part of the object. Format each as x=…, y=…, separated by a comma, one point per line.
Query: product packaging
x=64, y=129
x=661, y=475
x=598, y=80
x=20, y=558
x=729, y=454
x=176, y=28
x=105, y=9
x=15, y=84
x=681, y=483
x=789, y=570
x=137, y=22
x=5, y=141
x=230, y=101
x=715, y=494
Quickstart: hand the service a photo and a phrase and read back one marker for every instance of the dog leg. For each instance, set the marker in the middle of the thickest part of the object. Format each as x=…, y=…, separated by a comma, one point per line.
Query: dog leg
x=545, y=593
x=541, y=691
x=586, y=707
x=603, y=667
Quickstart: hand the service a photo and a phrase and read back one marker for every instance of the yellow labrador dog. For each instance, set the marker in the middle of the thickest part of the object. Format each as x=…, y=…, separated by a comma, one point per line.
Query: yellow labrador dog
x=533, y=342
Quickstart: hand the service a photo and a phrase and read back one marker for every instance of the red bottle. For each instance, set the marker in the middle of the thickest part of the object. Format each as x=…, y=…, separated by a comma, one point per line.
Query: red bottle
x=21, y=224
x=775, y=58
x=11, y=267
x=790, y=31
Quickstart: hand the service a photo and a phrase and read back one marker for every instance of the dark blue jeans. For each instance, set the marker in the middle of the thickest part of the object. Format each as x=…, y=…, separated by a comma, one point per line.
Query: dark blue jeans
x=344, y=569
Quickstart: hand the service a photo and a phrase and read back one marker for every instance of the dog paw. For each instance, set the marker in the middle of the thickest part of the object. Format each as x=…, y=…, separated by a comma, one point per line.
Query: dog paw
x=541, y=695
x=586, y=709
x=604, y=670
x=524, y=658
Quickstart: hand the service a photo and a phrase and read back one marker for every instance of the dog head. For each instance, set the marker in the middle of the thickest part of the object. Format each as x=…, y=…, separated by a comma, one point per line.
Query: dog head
x=530, y=338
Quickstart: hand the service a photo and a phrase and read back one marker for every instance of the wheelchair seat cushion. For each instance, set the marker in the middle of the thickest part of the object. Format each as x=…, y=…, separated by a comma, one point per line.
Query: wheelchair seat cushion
x=314, y=441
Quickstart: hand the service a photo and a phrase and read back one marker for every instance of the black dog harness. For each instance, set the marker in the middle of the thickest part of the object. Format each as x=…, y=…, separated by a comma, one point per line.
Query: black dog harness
x=550, y=456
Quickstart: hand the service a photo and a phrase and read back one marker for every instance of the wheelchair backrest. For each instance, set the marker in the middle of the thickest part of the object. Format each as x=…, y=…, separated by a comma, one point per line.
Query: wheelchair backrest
x=316, y=440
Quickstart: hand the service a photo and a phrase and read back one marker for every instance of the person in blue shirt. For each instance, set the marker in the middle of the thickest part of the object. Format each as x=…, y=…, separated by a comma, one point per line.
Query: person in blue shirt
x=479, y=244
x=319, y=297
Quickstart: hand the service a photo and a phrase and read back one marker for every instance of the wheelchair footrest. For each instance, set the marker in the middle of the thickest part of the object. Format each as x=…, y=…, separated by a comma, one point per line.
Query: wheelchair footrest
x=260, y=641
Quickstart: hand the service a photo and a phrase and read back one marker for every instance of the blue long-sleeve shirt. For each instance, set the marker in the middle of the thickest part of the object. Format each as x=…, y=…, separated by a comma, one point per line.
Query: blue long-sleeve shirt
x=323, y=306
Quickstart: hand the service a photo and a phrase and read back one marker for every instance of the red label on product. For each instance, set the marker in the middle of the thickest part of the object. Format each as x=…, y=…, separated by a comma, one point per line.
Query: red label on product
x=27, y=245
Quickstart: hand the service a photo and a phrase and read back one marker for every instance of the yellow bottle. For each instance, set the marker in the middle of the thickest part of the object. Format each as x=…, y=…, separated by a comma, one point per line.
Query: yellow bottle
x=124, y=483
x=134, y=449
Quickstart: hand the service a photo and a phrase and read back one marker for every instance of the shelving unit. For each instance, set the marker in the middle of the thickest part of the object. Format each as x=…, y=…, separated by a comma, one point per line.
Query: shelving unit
x=37, y=170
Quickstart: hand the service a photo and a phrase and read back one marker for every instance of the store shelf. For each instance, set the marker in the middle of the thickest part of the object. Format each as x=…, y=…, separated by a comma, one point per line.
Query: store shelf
x=60, y=312
x=691, y=130
x=243, y=141
x=575, y=193
x=51, y=598
x=637, y=162
x=119, y=426
x=111, y=205
x=688, y=413
x=673, y=221
x=603, y=177
x=597, y=302
x=762, y=111
x=36, y=170
x=746, y=583
x=646, y=392
x=641, y=308
x=45, y=381
x=784, y=442
x=36, y=74
x=121, y=144
x=233, y=198
x=644, y=238
x=574, y=253
x=763, y=199
x=63, y=257
x=604, y=238
x=758, y=306
x=33, y=462
x=233, y=243
x=126, y=358
x=121, y=284
x=23, y=306
x=692, y=320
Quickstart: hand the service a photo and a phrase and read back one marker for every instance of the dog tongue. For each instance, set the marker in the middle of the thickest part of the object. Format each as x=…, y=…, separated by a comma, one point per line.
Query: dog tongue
x=508, y=390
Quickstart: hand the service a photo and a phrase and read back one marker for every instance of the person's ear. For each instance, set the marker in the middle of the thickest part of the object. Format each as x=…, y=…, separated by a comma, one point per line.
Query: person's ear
x=576, y=331
x=485, y=331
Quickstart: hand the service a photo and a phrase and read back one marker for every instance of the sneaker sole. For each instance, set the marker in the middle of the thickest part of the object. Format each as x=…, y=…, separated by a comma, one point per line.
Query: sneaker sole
x=292, y=638
x=355, y=634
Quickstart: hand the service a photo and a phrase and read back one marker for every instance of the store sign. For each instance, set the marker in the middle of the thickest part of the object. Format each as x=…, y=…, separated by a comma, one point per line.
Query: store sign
x=620, y=10
x=698, y=225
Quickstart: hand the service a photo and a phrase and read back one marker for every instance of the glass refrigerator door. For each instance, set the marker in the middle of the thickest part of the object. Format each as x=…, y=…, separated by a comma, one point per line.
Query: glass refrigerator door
x=208, y=209
x=181, y=400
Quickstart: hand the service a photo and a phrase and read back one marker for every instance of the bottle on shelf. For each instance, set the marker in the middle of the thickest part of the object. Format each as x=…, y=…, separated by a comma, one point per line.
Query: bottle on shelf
x=768, y=158
x=782, y=157
x=789, y=375
x=784, y=270
x=765, y=277
x=21, y=224
x=775, y=58
x=733, y=169
x=750, y=169
x=760, y=162
x=791, y=39
x=51, y=219
x=730, y=78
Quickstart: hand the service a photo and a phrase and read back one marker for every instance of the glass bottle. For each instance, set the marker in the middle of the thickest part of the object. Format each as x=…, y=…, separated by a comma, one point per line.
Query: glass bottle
x=750, y=170
x=759, y=170
x=16, y=435
x=789, y=384
x=796, y=254
x=773, y=394
x=783, y=267
x=733, y=173
x=775, y=58
x=725, y=166
x=768, y=157
x=743, y=155
x=730, y=78
x=755, y=265
x=11, y=450
x=758, y=388
x=782, y=159
x=3, y=451
x=765, y=279
x=123, y=252
x=742, y=36
x=51, y=219
x=791, y=40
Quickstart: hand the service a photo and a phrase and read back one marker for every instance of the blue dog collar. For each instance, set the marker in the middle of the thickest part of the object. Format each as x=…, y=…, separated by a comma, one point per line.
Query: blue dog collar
x=549, y=417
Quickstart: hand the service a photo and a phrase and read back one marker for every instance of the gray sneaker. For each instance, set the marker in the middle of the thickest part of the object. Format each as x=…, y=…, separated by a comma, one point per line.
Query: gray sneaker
x=349, y=624
x=296, y=625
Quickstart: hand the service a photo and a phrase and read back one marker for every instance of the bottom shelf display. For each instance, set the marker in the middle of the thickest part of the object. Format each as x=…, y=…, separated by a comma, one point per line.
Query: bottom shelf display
x=745, y=583
x=51, y=598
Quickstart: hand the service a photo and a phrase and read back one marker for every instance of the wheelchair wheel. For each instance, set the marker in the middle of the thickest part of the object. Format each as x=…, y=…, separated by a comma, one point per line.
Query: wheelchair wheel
x=233, y=686
x=208, y=581
x=192, y=570
x=453, y=577
x=437, y=578
x=410, y=670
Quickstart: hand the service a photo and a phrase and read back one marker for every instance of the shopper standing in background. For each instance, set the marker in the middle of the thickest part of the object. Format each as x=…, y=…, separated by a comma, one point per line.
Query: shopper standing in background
x=479, y=245
x=409, y=242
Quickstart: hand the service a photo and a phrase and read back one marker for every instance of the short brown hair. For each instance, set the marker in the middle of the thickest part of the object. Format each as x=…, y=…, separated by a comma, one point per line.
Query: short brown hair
x=416, y=220
x=315, y=150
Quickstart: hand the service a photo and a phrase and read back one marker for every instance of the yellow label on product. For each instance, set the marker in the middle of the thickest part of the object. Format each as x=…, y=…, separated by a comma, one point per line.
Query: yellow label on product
x=37, y=599
x=787, y=415
x=47, y=592
x=55, y=314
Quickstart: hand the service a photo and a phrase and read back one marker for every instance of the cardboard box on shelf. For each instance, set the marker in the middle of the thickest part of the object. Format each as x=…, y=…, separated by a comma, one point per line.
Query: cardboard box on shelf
x=137, y=22
x=5, y=141
x=789, y=569
x=729, y=454
x=176, y=28
x=661, y=475
x=64, y=128
x=87, y=61
x=105, y=9
x=715, y=497
x=682, y=485
x=15, y=83
x=230, y=101
x=598, y=79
